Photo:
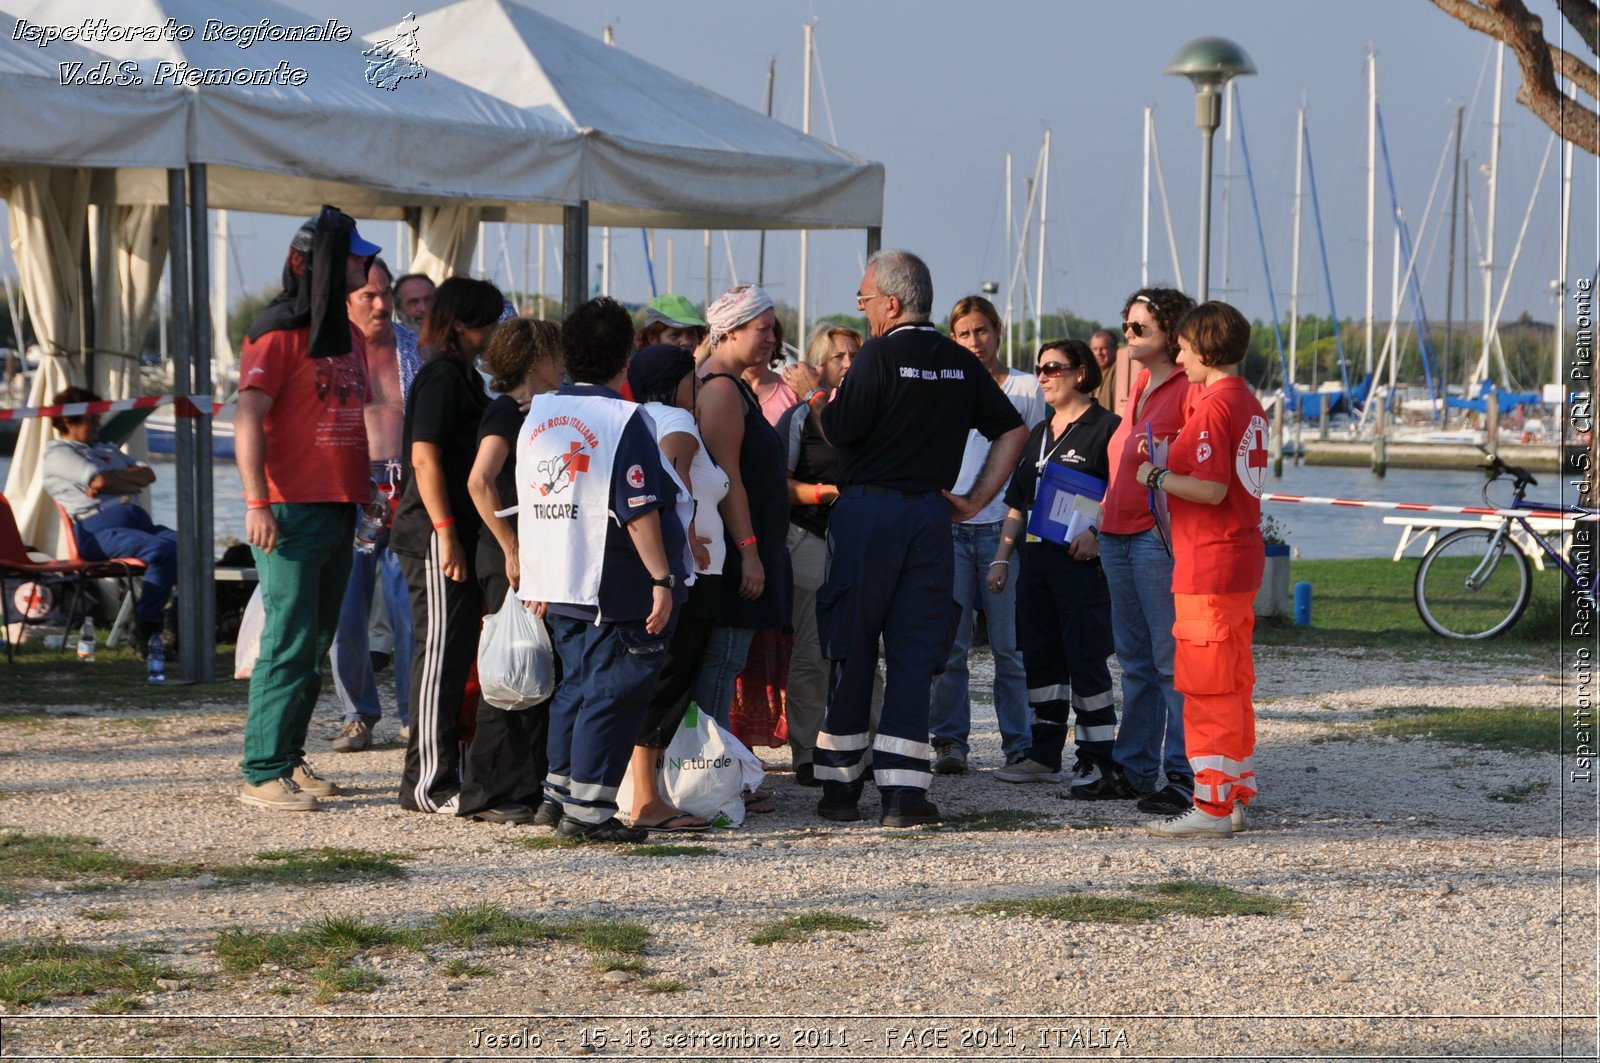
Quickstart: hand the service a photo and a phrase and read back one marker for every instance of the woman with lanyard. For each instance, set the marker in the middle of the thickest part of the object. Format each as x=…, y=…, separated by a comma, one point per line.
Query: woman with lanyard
x=1137, y=556
x=1214, y=476
x=435, y=535
x=1063, y=606
x=507, y=770
x=756, y=584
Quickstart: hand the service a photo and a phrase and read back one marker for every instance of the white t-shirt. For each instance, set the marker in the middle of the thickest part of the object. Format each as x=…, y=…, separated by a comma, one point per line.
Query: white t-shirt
x=710, y=483
x=1023, y=391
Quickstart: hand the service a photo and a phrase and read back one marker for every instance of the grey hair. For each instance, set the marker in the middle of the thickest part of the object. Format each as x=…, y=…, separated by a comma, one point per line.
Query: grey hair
x=905, y=276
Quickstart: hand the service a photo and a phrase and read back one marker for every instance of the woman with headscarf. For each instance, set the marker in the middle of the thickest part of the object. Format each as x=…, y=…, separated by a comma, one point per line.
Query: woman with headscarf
x=756, y=586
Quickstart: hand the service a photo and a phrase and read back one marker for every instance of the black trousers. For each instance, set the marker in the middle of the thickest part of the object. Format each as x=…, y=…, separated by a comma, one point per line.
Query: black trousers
x=507, y=760
x=697, y=618
x=446, y=617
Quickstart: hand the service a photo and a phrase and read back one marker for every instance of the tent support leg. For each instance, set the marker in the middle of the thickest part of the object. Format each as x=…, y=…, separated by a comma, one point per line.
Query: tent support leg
x=574, y=256
x=874, y=240
x=186, y=463
x=204, y=605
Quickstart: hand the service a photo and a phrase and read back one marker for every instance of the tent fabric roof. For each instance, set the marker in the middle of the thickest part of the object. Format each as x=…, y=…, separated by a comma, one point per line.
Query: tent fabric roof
x=658, y=149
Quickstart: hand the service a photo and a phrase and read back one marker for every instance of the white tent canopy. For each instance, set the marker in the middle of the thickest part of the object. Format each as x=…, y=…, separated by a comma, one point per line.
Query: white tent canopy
x=283, y=148
x=658, y=149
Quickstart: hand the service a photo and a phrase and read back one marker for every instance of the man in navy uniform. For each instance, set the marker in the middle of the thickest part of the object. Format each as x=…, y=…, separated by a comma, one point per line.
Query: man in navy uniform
x=900, y=421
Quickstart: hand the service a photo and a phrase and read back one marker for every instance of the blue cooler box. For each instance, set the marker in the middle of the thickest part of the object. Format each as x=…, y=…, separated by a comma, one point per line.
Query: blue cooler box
x=1067, y=504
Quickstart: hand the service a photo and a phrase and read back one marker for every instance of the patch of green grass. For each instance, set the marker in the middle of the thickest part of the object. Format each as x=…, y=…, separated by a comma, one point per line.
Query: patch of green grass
x=116, y=680
x=333, y=980
x=1516, y=795
x=663, y=985
x=665, y=849
x=1510, y=728
x=67, y=857
x=997, y=819
x=1077, y=908
x=459, y=968
x=10, y=897
x=548, y=841
x=236, y=1049
x=612, y=961
x=117, y=1004
x=35, y=971
x=1166, y=898
x=327, y=946
x=103, y=915
x=800, y=928
x=1368, y=602
x=306, y=866
x=1213, y=898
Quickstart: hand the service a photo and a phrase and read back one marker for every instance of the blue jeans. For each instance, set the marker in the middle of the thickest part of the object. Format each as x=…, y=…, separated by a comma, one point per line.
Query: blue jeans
x=352, y=662
x=1149, y=748
x=724, y=659
x=127, y=531
x=950, y=714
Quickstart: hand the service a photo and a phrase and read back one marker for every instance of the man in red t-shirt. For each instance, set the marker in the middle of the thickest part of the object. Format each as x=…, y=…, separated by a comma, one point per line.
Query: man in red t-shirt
x=1216, y=469
x=301, y=439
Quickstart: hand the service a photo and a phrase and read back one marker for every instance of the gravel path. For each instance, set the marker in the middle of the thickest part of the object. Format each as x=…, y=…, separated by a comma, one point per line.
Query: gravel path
x=1427, y=885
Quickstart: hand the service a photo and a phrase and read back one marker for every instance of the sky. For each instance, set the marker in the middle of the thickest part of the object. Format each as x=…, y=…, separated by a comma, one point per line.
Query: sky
x=940, y=90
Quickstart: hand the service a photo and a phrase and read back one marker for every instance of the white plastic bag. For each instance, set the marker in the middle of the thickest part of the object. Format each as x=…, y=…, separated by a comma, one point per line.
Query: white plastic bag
x=702, y=771
x=516, y=663
x=248, y=646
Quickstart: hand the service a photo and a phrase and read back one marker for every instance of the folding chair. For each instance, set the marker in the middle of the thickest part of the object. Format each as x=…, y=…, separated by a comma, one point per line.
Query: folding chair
x=15, y=562
x=121, y=569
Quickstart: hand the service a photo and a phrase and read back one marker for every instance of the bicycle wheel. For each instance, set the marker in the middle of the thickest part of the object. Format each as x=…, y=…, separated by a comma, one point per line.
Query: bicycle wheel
x=1470, y=587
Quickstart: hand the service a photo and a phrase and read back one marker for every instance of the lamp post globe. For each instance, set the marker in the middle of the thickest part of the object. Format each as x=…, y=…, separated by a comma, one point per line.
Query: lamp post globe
x=1209, y=63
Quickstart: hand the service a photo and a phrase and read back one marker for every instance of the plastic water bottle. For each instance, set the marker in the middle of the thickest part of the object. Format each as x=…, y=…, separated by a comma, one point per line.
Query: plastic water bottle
x=374, y=518
x=156, y=660
x=86, y=641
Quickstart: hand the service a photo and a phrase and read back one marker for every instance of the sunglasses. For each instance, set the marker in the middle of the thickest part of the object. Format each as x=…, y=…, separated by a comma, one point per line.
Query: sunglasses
x=1050, y=369
x=1138, y=328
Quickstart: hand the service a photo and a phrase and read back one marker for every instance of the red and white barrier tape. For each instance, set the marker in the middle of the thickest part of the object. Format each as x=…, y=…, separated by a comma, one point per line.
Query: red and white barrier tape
x=187, y=406
x=1421, y=507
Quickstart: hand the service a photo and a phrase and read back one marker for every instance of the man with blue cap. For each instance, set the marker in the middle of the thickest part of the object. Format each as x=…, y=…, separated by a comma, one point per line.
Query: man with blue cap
x=301, y=438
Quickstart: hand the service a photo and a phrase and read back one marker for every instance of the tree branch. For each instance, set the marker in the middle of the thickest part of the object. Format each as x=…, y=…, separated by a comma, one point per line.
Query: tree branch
x=1583, y=16
x=1511, y=22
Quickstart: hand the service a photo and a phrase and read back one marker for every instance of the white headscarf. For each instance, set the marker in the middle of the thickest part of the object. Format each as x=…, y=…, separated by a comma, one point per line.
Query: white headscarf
x=737, y=307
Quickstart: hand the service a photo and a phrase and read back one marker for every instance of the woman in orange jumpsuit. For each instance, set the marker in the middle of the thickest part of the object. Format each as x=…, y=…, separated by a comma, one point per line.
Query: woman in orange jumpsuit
x=1213, y=479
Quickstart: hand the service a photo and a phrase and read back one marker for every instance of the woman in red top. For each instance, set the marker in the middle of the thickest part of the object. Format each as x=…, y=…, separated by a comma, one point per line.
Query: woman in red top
x=1148, y=755
x=1213, y=481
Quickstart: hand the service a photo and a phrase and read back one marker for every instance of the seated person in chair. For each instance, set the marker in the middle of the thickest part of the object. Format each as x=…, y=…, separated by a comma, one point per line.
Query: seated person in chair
x=98, y=486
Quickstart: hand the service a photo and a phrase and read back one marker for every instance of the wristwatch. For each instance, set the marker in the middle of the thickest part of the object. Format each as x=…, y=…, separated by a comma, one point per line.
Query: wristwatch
x=668, y=581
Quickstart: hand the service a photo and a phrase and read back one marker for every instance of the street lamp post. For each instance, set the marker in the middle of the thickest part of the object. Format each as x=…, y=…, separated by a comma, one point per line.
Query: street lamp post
x=1209, y=63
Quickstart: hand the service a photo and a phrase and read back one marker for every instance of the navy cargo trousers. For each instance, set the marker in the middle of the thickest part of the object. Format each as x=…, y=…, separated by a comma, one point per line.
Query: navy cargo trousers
x=890, y=577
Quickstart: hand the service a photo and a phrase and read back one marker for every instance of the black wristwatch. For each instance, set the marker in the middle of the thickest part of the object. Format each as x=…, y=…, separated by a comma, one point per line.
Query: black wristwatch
x=668, y=581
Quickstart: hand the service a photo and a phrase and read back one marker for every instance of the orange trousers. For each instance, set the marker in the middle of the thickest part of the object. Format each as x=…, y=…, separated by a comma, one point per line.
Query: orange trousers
x=1214, y=671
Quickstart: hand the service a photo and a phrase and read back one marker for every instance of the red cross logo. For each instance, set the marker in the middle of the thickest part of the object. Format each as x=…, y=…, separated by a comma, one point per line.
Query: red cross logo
x=1250, y=463
x=578, y=462
x=563, y=467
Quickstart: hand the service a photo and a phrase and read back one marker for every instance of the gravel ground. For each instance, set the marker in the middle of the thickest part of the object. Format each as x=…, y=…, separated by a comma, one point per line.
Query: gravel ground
x=1427, y=917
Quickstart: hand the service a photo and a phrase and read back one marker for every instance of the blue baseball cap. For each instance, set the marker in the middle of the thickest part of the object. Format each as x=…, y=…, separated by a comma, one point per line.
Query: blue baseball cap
x=361, y=246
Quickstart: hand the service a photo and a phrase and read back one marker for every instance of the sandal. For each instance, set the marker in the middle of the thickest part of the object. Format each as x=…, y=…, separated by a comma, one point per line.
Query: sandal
x=675, y=823
x=756, y=801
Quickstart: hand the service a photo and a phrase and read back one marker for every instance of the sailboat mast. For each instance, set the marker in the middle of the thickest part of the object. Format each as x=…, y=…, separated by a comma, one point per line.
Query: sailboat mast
x=1450, y=278
x=805, y=237
x=1227, y=186
x=1294, y=254
x=1561, y=267
x=1144, y=239
x=1011, y=276
x=761, y=247
x=1372, y=195
x=1488, y=239
x=1044, y=206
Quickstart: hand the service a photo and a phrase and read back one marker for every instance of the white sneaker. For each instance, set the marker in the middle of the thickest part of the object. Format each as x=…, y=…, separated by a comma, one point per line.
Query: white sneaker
x=1195, y=823
x=450, y=807
x=1085, y=772
x=1237, y=819
x=1026, y=770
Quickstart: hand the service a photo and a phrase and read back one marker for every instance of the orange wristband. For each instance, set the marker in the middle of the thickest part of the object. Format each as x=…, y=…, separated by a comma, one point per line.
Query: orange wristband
x=443, y=523
x=747, y=542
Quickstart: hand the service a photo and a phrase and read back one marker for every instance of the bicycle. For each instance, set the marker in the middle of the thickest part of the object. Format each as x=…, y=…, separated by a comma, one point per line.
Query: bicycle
x=1475, y=583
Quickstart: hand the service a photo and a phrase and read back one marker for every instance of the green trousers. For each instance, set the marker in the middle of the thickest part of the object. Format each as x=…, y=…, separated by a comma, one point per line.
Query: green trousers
x=302, y=586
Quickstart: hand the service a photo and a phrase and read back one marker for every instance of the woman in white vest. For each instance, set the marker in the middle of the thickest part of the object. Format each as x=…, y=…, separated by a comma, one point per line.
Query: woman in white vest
x=606, y=519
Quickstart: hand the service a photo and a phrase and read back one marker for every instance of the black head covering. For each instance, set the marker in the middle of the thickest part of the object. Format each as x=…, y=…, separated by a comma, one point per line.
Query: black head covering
x=314, y=292
x=657, y=368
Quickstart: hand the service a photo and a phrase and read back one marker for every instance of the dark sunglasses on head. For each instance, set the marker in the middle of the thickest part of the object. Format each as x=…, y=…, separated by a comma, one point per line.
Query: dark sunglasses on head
x=1049, y=369
x=1138, y=328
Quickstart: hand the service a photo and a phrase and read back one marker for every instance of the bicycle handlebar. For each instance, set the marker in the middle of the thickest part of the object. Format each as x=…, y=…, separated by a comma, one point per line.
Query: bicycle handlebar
x=1520, y=477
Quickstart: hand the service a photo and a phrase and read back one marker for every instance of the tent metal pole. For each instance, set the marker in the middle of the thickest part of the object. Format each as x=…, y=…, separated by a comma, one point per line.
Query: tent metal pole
x=183, y=352
x=574, y=255
x=874, y=240
x=205, y=606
